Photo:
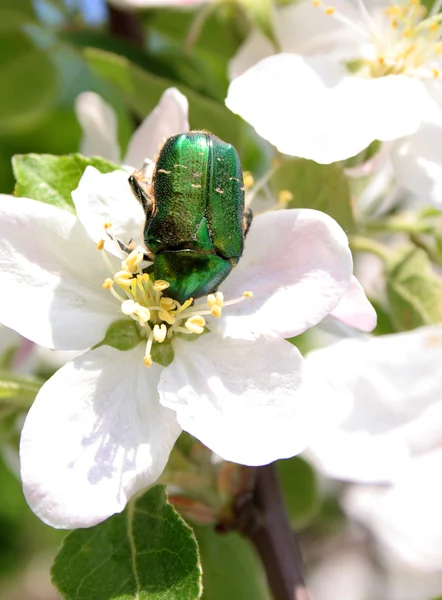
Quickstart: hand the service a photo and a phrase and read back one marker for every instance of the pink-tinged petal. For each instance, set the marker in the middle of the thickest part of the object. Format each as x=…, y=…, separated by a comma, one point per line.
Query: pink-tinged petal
x=169, y=117
x=107, y=198
x=51, y=277
x=243, y=399
x=298, y=265
x=354, y=308
x=95, y=435
x=394, y=417
x=314, y=108
x=417, y=163
x=99, y=125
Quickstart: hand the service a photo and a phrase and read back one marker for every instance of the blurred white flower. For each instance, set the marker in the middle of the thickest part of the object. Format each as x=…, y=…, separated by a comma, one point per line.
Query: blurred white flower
x=389, y=390
x=348, y=75
x=405, y=519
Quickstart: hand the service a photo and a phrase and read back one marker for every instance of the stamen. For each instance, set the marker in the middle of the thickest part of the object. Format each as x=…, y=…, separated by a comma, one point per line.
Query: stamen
x=132, y=261
x=196, y=324
x=123, y=278
x=100, y=245
x=159, y=333
x=107, y=225
x=107, y=283
x=160, y=285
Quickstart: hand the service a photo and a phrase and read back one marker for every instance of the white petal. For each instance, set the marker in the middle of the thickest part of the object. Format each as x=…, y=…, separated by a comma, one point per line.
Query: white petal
x=297, y=264
x=302, y=28
x=169, y=117
x=95, y=435
x=417, y=162
x=354, y=309
x=256, y=47
x=395, y=418
x=404, y=518
x=243, y=399
x=313, y=108
x=107, y=198
x=99, y=125
x=51, y=276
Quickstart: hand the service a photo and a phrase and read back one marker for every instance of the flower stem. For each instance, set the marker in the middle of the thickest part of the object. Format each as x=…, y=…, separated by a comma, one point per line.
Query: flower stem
x=362, y=244
x=261, y=517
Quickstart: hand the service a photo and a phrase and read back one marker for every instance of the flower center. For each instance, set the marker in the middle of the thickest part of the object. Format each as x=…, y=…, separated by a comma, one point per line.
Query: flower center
x=406, y=40
x=158, y=316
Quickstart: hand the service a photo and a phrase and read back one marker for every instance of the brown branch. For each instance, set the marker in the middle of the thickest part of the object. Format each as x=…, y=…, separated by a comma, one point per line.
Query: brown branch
x=125, y=25
x=261, y=517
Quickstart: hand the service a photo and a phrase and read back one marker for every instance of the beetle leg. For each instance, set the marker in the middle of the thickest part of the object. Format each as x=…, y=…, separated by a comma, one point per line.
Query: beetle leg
x=247, y=220
x=147, y=254
x=141, y=190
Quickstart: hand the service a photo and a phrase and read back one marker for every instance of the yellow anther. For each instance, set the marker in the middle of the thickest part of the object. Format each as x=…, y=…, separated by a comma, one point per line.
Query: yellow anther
x=316, y=3
x=166, y=316
x=330, y=10
x=165, y=301
x=195, y=324
x=148, y=360
x=436, y=73
x=107, y=284
x=215, y=299
x=160, y=285
x=100, y=244
x=216, y=311
x=159, y=333
x=407, y=32
x=107, y=225
x=284, y=197
x=248, y=294
x=438, y=48
x=132, y=261
x=433, y=26
x=248, y=179
x=394, y=23
x=123, y=278
x=381, y=60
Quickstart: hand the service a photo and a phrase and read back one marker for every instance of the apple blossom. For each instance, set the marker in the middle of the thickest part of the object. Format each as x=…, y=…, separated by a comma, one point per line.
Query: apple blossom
x=103, y=426
x=388, y=391
x=347, y=75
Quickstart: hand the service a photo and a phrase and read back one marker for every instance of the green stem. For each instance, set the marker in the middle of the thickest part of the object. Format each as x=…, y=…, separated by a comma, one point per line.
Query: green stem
x=362, y=244
x=399, y=226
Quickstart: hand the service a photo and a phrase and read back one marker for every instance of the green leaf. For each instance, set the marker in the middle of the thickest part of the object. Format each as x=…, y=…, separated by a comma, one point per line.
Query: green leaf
x=142, y=90
x=122, y=335
x=261, y=13
x=145, y=553
x=13, y=13
x=414, y=290
x=28, y=83
x=323, y=187
x=300, y=489
x=231, y=570
x=18, y=391
x=51, y=179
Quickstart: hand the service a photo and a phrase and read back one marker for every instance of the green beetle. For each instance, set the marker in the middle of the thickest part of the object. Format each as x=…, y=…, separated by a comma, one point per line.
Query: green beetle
x=195, y=218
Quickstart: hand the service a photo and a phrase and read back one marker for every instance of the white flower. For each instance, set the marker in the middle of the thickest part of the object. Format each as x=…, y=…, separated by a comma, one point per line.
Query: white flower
x=348, y=75
x=404, y=517
x=389, y=392
x=99, y=125
x=102, y=428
